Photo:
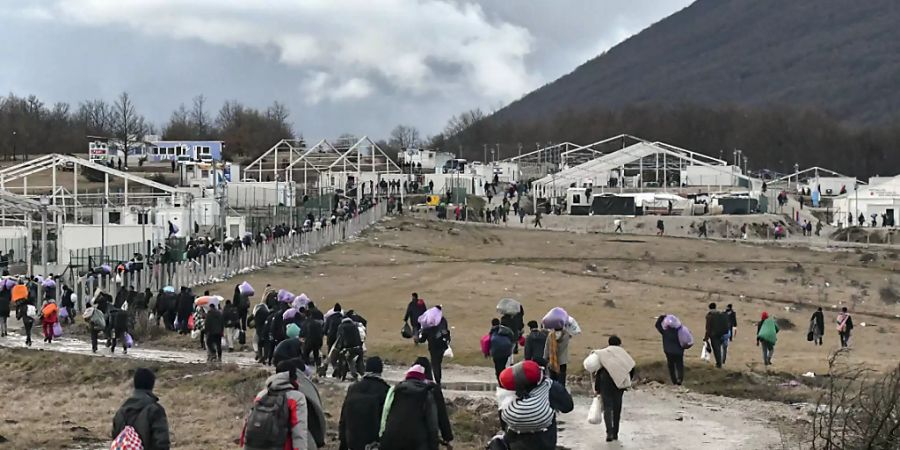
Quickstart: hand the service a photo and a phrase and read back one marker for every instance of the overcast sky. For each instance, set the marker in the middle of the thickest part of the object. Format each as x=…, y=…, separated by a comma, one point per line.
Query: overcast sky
x=358, y=66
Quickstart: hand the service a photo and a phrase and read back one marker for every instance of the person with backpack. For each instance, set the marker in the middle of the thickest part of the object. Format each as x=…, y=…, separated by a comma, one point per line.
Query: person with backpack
x=348, y=347
x=361, y=412
x=528, y=403
x=767, y=336
x=844, y=327
x=410, y=419
x=316, y=425
x=5, y=301
x=612, y=369
x=215, y=328
x=278, y=418
x=535, y=342
x=313, y=333
x=502, y=342
x=717, y=327
x=141, y=416
x=673, y=345
x=414, y=310
x=49, y=319
x=96, y=323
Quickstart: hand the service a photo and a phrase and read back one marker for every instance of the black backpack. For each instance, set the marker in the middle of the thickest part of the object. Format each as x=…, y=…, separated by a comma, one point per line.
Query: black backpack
x=268, y=425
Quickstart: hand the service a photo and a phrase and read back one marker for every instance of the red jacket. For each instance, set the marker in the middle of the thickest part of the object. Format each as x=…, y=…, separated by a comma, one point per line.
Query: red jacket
x=296, y=404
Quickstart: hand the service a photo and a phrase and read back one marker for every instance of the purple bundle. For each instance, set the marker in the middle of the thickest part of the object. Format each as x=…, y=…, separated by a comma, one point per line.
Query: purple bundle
x=246, y=289
x=672, y=322
x=556, y=319
x=9, y=283
x=284, y=296
x=289, y=314
x=300, y=301
x=49, y=283
x=431, y=318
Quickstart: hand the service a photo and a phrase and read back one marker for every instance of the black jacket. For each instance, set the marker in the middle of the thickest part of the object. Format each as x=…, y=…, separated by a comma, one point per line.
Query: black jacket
x=534, y=344
x=215, y=322
x=5, y=299
x=117, y=320
x=516, y=322
x=604, y=384
x=275, y=325
x=361, y=413
x=289, y=348
x=671, y=344
x=231, y=317
x=316, y=314
x=412, y=421
x=259, y=321
x=348, y=335
x=438, y=337
x=185, y=304
x=819, y=320
x=502, y=341
x=414, y=309
x=313, y=331
x=143, y=412
x=331, y=327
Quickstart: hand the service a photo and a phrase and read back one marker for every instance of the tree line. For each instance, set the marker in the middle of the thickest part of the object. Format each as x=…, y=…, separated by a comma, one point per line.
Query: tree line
x=29, y=126
x=772, y=137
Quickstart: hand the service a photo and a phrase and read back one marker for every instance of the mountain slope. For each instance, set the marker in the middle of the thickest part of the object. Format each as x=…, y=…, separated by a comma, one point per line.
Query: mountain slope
x=837, y=56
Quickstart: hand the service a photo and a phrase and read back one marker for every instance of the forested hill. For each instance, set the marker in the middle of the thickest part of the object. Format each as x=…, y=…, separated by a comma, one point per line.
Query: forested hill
x=841, y=57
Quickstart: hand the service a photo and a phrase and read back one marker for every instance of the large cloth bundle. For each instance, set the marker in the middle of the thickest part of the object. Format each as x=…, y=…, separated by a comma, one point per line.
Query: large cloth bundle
x=572, y=326
x=768, y=331
x=300, y=301
x=49, y=283
x=284, y=296
x=617, y=362
x=246, y=289
x=289, y=314
x=169, y=289
x=556, y=319
x=431, y=318
x=207, y=300
x=509, y=307
x=9, y=283
x=671, y=322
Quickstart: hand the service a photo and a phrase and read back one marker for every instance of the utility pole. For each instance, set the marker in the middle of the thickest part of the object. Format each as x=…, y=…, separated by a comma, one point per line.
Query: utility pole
x=485, y=154
x=45, y=201
x=103, y=230
x=14, y=145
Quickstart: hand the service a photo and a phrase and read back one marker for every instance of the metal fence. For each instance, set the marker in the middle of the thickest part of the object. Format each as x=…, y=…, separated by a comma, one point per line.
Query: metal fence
x=216, y=267
x=92, y=257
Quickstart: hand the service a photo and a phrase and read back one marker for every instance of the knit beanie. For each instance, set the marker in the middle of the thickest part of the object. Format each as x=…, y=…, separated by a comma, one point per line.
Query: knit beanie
x=293, y=330
x=374, y=365
x=521, y=376
x=144, y=379
x=416, y=372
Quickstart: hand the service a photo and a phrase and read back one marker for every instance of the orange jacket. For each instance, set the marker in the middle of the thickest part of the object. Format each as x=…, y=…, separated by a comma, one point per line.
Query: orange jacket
x=50, y=313
x=19, y=292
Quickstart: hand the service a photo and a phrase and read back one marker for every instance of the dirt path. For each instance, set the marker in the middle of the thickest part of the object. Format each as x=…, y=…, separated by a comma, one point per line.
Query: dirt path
x=653, y=416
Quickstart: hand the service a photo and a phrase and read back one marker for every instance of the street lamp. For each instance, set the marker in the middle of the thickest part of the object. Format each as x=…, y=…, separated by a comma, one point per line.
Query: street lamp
x=14, y=145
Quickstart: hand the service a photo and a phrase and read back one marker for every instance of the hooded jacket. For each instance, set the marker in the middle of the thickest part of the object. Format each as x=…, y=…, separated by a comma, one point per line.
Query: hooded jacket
x=361, y=412
x=215, y=323
x=671, y=344
x=331, y=327
x=296, y=403
x=411, y=418
x=534, y=344
x=260, y=314
x=502, y=341
x=348, y=334
x=143, y=412
x=316, y=424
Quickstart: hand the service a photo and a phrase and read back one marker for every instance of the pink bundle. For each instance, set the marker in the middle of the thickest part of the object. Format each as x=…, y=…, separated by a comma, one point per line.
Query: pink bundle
x=431, y=318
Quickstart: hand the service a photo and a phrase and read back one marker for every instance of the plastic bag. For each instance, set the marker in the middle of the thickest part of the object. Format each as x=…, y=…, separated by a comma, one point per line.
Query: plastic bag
x=685, y=338
x=671, y=321
x=431, y=318
x=129, y=341
x=448, y=353
x=556, y=319
x=57, y=330
x=406, y=331
x=63, y=312
x=195, y=334
x=246, y=289
x=572, y=327
x=152, y=317
x=509, y=306
x=705, y=353
x=486, y=345
x=595, y=414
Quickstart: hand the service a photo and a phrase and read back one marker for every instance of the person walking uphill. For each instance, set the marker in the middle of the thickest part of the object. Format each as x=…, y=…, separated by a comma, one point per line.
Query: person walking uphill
x=718, y=325
x=613, y=370
x=556, y=353
x=410, y=418
x=766, y=337
x=528, y=402
x=817, y=327
x=96, y=322
x=674, y=345
x=143, y=413
x=26, y=312
x=215, y=328
x=49, y=318
x=361, y=412
x=535, y=342
x=502, y=342
x=844, y=326
x=438, y=338
x=414, y=310
x=5, y=301
x=278, y=418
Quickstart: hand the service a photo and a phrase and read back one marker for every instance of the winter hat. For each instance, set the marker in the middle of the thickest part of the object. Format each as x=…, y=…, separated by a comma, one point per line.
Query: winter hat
x=374, y=365
x=144, y=379
x=765, y=315
x=426, y=364
x=293, y=330
x=416, y=372
x=521, y=376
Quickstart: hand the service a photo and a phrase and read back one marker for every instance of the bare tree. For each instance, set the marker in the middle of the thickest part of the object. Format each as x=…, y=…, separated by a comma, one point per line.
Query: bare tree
x=179, y=126
x=97, y=118
x=404, y=137
x=200, y=120
x=463, y=121
x=130, y=126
